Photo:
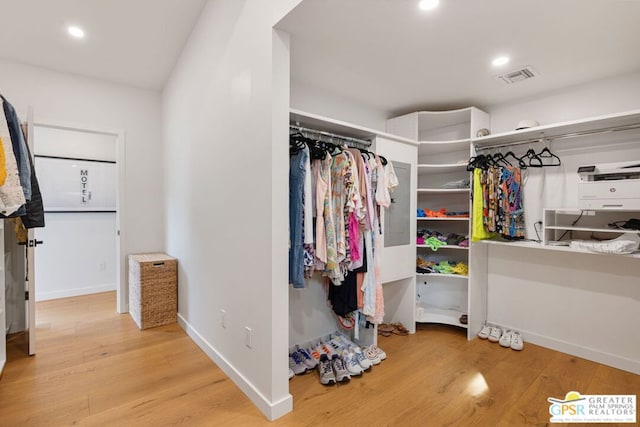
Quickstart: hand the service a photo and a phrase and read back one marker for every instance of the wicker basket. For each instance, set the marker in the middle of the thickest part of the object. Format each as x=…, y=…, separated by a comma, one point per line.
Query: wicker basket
x=153, y=286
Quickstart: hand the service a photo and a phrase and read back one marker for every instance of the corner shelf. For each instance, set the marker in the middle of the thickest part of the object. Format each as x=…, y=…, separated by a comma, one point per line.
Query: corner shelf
x=437, y=218
x=442, y=190
x=445, y=145
x=444, y=247
x=427, y=313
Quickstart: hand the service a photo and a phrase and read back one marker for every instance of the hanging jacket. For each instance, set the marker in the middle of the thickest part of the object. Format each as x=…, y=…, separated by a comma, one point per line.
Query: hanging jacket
x=19, y=146
x=34, y=216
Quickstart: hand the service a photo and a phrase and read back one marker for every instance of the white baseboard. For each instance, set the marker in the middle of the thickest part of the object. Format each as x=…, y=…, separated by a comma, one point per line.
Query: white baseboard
x=65, y=293
x=588, y=353
x=272, y=410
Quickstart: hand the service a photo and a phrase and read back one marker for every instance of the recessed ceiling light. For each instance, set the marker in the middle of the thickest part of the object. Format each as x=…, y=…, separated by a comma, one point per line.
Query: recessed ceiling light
x=500, y=60
x=428, y=4
x=75, y=31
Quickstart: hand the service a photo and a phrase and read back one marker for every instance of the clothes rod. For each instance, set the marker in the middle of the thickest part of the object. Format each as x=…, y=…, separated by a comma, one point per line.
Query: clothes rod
x=348, y=139
x=563, y=136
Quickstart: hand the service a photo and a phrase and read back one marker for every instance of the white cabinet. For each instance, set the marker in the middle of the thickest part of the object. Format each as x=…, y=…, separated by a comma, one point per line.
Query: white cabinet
x=444, y=294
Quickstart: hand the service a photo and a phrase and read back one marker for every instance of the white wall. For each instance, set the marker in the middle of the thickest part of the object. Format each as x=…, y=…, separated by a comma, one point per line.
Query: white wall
x=94, y=103
x=577, y=303
x=311, y=99
x=78, y=255
x=225, y=124
x=612, y=95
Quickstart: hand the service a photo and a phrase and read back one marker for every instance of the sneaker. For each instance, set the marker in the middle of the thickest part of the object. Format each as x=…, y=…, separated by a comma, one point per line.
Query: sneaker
x=372, y=356
x=505, y=339
x=291, y=373
x=298, y=368
x=381, y=354
x=364, y=363
x=326, y=372
x=495, y=334
x=351, y=363
x=330, y=352
x=516, y=341
x=341, y=372
x=307, y=359
x=314, y=353
x=484, y=332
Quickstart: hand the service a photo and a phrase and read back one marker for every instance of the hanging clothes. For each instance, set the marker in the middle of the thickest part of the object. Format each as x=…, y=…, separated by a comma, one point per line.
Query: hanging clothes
x=11, y=193
x=296, y=243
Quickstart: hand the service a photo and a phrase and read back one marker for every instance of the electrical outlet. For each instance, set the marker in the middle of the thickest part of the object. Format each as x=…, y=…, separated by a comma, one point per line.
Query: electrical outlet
x=223, y=318
x=247, y=336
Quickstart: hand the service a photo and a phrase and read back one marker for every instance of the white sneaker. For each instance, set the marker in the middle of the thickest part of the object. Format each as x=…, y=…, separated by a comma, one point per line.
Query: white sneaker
x=505, y=339
x=340, y=370
x=291, y=373
x=351, y=363
x=296, y=366
x=328, y=350
x=381, y=353
x=484, y=332
x=371, y=355
x=516, y=341
x=364, y=363
x=495, y=334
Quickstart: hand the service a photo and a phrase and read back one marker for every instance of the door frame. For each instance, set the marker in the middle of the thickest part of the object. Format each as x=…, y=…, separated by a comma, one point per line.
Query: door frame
x=122, y=295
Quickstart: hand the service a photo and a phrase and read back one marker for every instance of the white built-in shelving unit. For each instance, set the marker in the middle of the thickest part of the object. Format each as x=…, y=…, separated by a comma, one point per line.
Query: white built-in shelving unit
x=443, y=152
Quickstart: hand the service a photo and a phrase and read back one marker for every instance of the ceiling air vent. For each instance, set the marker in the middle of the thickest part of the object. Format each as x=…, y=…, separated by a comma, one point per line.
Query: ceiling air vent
x=517, y=75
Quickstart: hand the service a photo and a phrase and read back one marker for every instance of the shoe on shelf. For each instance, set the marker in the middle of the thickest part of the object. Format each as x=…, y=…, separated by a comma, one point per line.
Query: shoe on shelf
x=364, y=363
x=307, y=359
x=516, y=341
x=340, y=370
x=326, y=372
x=505, y=339
x=296, y=366
x=484, y=332
x=495, y=334
x=291, y=373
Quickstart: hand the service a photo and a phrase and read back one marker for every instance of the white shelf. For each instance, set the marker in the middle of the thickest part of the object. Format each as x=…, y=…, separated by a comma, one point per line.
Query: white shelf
x=432, y=169
x=442, y=190
x=428, y=218
x=426, y=313
x=590, y=229
x=445, y=247
x=453, y=276
x=536, y=245
x=438, y=147
x=592, y=124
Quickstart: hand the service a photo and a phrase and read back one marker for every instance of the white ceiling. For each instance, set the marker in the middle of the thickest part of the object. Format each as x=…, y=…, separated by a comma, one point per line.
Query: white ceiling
x=385, y=54
x=389, y=55
x=135, y=42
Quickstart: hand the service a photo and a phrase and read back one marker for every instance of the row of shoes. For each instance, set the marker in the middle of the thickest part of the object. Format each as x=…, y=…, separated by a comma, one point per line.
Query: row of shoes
x=508, y=338
x=337, y=359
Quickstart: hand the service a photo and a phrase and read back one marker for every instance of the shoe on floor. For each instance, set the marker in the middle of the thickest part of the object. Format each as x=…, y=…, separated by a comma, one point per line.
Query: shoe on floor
x=516, y=341
x=381, y=354
x=291, y=373
x=329, y=350
x=505, y=339
x=372, y=356
x=364, y=363
x=296, y=366
x=307, y=359
x=351, y=363
x=340, y=370
x=326, y=372
x=495, y=334
x=484, y=332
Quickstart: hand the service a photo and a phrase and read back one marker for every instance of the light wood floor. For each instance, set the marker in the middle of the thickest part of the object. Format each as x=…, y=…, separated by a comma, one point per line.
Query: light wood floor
x=94, y=367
